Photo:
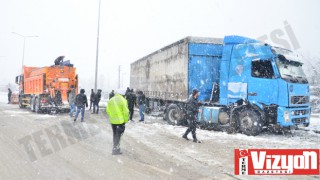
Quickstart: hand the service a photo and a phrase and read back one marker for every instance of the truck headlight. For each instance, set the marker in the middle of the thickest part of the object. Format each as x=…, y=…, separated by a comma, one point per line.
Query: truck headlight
x=286, y=116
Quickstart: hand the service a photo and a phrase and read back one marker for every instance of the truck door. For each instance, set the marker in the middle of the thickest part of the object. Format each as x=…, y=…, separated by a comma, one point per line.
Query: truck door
x=203, y=73
x=262, y=85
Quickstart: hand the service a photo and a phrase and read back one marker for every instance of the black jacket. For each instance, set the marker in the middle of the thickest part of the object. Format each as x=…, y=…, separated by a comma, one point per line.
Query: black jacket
x=131, y=98
x=111, y=95
x=141, y=99
x=92, y=96
x=81, y=100
x=97, y=97
x=192, y=107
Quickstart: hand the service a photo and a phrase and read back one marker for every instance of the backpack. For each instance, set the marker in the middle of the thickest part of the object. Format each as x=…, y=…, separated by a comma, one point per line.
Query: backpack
x=80, y=100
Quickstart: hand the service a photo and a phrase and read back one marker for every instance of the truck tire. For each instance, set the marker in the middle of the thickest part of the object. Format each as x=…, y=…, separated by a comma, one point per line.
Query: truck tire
x=148, y=110
x=250, y=122
x=173, y=115
x=20, y=103
x=37, y=105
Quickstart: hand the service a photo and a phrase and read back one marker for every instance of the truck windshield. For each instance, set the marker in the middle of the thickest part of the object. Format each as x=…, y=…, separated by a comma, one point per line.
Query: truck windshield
x=291, y=70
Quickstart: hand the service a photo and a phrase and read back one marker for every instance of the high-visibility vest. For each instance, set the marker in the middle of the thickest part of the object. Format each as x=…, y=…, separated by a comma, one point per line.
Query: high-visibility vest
x=117, y=110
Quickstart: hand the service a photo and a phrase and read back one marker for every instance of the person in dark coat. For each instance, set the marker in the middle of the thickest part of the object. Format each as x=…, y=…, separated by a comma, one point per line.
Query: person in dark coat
x=131, y=98
x=81, y=102
x=192, y=111
x=96, y=101
x=92, y=96
x=111, y=94
x=59, y=60
x=142, y=104
x=9, y=95
x=127, y=92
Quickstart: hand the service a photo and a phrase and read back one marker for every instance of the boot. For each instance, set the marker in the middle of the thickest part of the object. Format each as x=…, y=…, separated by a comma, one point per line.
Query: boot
x=195, y=140
x=116, y=151
x=185, y=136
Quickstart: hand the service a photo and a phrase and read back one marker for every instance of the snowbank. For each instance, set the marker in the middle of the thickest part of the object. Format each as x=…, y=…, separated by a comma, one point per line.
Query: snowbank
x=3, y=97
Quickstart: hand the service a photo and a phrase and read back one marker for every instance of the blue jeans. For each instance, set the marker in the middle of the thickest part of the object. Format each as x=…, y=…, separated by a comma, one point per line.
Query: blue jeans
x=72, y=109
x=80, y=108
x=141, y=109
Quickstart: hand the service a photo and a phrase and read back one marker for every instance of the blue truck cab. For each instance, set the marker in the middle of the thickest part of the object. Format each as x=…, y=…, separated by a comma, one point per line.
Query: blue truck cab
x=259, y=85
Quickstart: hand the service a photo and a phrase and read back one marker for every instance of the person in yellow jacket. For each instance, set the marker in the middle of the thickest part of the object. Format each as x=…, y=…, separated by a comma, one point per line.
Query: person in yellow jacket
x=118, y=112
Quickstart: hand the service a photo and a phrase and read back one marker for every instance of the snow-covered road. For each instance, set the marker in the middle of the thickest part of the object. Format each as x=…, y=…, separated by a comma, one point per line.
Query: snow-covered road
x=40, y=146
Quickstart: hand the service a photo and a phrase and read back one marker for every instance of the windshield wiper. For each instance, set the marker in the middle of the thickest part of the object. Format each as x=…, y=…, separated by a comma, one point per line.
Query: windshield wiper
x=291, y=78
x=287, y=75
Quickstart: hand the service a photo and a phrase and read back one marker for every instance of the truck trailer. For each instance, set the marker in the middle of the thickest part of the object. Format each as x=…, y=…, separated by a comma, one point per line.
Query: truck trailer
x=245, y=85
x=46, y=89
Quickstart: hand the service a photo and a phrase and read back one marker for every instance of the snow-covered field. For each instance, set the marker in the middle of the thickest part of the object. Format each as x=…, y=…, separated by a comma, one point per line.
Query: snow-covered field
x=4, y=97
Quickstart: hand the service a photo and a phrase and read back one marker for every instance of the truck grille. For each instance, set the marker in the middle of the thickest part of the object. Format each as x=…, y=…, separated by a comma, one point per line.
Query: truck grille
x=299, y=120
x=299, y=99
x=301, y=112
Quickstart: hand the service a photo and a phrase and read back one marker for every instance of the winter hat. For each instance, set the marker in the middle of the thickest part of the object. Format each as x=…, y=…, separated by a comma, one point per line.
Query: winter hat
x=121, y=91
x=82, y=91
x=194, y=92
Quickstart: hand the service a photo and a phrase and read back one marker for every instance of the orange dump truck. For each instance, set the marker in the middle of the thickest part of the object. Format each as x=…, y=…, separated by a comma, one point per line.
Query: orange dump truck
x=46, y=89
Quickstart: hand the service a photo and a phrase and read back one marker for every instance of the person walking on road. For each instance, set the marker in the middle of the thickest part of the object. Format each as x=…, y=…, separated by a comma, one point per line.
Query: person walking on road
x=111, y=94
x=192, y=111
x=96, y=101
x=92, y=95
x=72, y=101
x=142, y=104
x=127, y=92
x=9, y=95
x=118, y=113
x=81, y=103
x=131, y=98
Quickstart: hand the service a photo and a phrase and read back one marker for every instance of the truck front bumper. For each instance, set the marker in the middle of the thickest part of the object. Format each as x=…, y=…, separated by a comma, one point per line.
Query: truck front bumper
x=293, y=116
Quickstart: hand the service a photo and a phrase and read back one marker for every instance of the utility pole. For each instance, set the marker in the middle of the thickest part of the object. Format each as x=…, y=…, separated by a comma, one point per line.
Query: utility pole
x=97, y=53
x=24, y=44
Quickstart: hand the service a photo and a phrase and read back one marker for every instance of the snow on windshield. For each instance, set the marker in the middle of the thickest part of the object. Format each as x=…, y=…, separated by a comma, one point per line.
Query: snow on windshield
x=290, y=68
x=288, y=62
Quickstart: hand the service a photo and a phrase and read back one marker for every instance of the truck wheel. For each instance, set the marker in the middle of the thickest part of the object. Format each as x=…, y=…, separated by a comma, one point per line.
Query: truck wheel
x=37, y=105
x=20, y=103
x=173, y=115
x=250, y=122
x=148, y=110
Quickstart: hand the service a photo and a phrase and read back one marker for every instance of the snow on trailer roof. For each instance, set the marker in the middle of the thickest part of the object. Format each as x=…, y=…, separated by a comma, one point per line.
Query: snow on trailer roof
x=188, y=39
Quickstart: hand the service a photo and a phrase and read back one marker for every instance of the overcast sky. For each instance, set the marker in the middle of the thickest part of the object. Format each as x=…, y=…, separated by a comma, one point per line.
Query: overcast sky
x=131, y=29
